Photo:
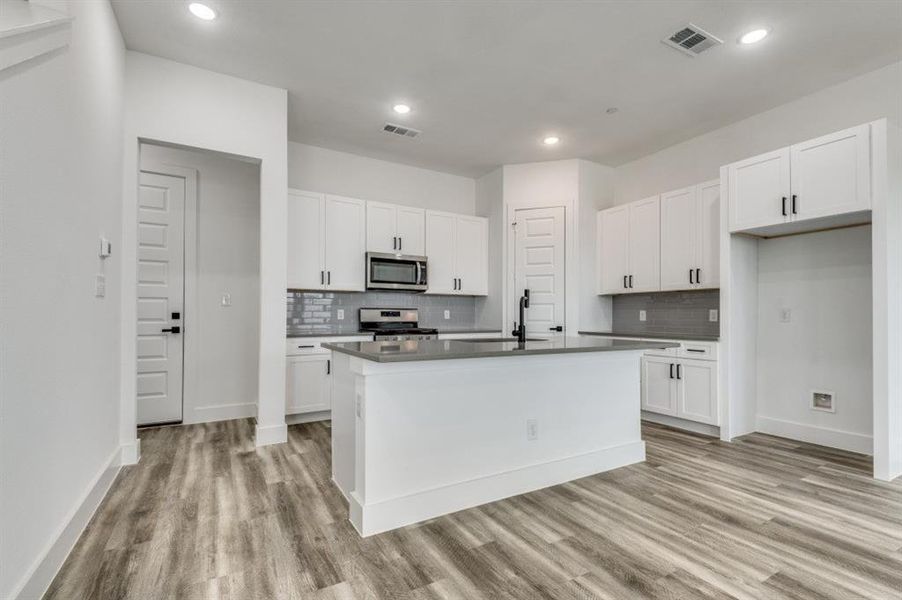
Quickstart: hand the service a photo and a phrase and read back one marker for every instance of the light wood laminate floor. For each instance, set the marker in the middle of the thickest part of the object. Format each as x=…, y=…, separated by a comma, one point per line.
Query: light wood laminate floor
x=206, y=515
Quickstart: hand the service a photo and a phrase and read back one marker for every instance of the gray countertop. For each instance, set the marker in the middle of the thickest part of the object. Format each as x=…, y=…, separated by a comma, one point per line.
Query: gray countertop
x=318, y=334
x=655, y=335
x=409, y=351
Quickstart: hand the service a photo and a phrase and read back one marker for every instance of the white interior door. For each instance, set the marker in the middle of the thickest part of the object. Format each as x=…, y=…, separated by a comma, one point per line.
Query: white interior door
x=540, y=268
x=345, y=241
x=679, y=239
x=161, y=294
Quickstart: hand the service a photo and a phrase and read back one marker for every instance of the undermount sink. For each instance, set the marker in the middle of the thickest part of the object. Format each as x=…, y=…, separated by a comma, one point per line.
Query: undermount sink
x=499, y=339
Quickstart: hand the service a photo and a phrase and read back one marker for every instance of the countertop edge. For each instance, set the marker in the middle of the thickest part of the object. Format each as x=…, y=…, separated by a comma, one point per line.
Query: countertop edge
x=679, y=337
x=358, y=333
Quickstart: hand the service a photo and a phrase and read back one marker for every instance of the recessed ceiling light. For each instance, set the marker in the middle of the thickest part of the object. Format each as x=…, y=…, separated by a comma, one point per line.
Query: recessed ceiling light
x=401, y=109
x=202, y=11
x=612, y=110
x=754, y=36
x=551, y=140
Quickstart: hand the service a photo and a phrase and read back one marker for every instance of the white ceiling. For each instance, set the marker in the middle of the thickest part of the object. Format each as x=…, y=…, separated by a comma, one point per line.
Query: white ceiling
x=488, y=80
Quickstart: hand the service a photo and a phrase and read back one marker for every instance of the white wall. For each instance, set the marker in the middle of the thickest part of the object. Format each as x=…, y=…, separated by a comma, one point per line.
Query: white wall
x=825, y=280
x=490, y=204
x=596, y=192
x=329, y=171
x=175, y=103
x=60, y=180
x=225, y=339
x=865, y=98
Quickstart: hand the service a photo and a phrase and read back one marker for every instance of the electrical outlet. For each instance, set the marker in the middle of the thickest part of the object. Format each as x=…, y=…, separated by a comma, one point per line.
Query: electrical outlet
x=532, y=429
x=340, y=314
x=642, y=315
x=447, y=314
x=100, y=285
x=712, y=315
x=226, y=300
x=785, y=315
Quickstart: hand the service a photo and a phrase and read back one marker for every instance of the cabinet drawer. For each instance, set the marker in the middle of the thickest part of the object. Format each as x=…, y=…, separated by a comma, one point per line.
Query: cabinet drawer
x=308, y=345
x=702, y=350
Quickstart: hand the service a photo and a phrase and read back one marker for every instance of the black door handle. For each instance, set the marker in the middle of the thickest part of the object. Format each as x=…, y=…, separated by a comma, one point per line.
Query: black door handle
x=794, y=204
x=624, y=282
x=558, y=328
x=328, y=367
x=175, y=329
x=329, y=277
x=690, y=276
x=394, y=243
x=678, y=371
x=631, y=281
x=698, y=276
x=671, y=370
x=400, y=243
x=784, y=206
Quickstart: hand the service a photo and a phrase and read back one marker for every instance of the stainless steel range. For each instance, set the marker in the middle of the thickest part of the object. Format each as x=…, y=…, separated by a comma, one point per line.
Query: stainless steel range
x=394, y=324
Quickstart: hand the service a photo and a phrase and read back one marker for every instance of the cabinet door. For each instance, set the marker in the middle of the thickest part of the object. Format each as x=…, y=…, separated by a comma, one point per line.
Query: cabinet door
x=645, y=245
x=708, y=260
x=697, y=391
x=306, y=218
x=658, y=387
x=679, y=239
x=471, y=260
x=411, y=231
x=381, y=235
x=613, y=249
x=759, y=187
x=441, y=234
x=345, y=242
x=831, y=174
x=308, y=383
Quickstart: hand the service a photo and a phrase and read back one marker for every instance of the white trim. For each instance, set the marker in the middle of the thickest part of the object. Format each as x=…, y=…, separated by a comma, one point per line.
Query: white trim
x=822, y=436
x=397, y=512
x=131, y=452
x=684, y=424
x=308, y=417
x=39, y=576
x=274, y=434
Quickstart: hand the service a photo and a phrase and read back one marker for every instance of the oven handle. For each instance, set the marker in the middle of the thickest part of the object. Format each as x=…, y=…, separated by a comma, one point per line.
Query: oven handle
x=419, y=272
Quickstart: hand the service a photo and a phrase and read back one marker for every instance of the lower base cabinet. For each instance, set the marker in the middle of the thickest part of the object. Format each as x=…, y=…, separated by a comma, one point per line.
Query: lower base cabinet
x=682, y=388
x=308, y=383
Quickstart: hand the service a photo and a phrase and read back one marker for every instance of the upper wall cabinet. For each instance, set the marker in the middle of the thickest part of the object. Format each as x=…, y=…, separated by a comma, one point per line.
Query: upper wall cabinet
x=822, y=178
x=457, y=253
x=326, y=242
x=629, y=248
x=394, y=228
x=690, y=225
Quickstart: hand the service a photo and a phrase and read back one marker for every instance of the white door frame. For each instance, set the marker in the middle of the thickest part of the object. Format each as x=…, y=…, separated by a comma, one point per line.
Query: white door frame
x=189, y=340
x=571, y=266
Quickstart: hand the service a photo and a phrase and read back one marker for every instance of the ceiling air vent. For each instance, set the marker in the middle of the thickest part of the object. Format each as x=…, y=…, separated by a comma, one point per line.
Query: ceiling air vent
x=401, y=130
x=692, y=40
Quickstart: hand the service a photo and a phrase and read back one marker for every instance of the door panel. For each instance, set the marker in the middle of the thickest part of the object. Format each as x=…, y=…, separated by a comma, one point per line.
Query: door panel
x=345, y=237
x=697, y=391
x=757, y=188
x=613, y=230
x=441, y=236
x=412, y=231
x=306, y=220
x=540, y=268
x=645, y=245
x=831, y=174
x=471, y=255
x=161, y=291
x=679, y=239
x=709, y=234
x=307, y=384
x=381, y=231
x=658, y=388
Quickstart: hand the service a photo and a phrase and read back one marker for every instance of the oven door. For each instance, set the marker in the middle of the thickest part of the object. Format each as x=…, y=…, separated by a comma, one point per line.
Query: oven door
x=395, y=272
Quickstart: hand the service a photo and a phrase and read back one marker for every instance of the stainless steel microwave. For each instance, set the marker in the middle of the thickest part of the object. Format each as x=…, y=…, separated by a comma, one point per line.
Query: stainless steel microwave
x=386, y=271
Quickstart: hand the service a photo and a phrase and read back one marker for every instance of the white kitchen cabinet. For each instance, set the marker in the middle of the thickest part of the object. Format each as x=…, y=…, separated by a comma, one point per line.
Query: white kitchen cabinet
x=394, y=228
x=629, y=248
x=690, y=238
x=326, y=242
x=825, y=177
x=457, y=253
x=308, y=383
x=682, y=388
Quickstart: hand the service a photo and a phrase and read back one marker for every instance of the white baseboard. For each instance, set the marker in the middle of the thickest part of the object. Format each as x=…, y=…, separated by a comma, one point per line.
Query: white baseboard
x=833, y=438
x=677, y=423
x=270, y=434
x=226, y=412
x=390, y=514
x=39, y=576
x=310, y=417
x=130, y=453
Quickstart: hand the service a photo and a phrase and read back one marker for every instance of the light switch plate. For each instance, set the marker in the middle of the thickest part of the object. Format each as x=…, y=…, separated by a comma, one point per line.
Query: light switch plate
x=785, y=315
x=712, y=315
x=106, y=248
x=340, y=314
x=447, y=314
x=532, y=429
x=642, y=315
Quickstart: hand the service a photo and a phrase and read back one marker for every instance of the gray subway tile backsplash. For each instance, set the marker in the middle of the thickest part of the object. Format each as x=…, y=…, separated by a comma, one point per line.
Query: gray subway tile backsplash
x=667, y=312
x=315, y=312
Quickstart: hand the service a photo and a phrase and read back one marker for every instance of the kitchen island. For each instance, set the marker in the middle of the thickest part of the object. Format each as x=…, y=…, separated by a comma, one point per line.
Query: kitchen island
x=425, y=428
